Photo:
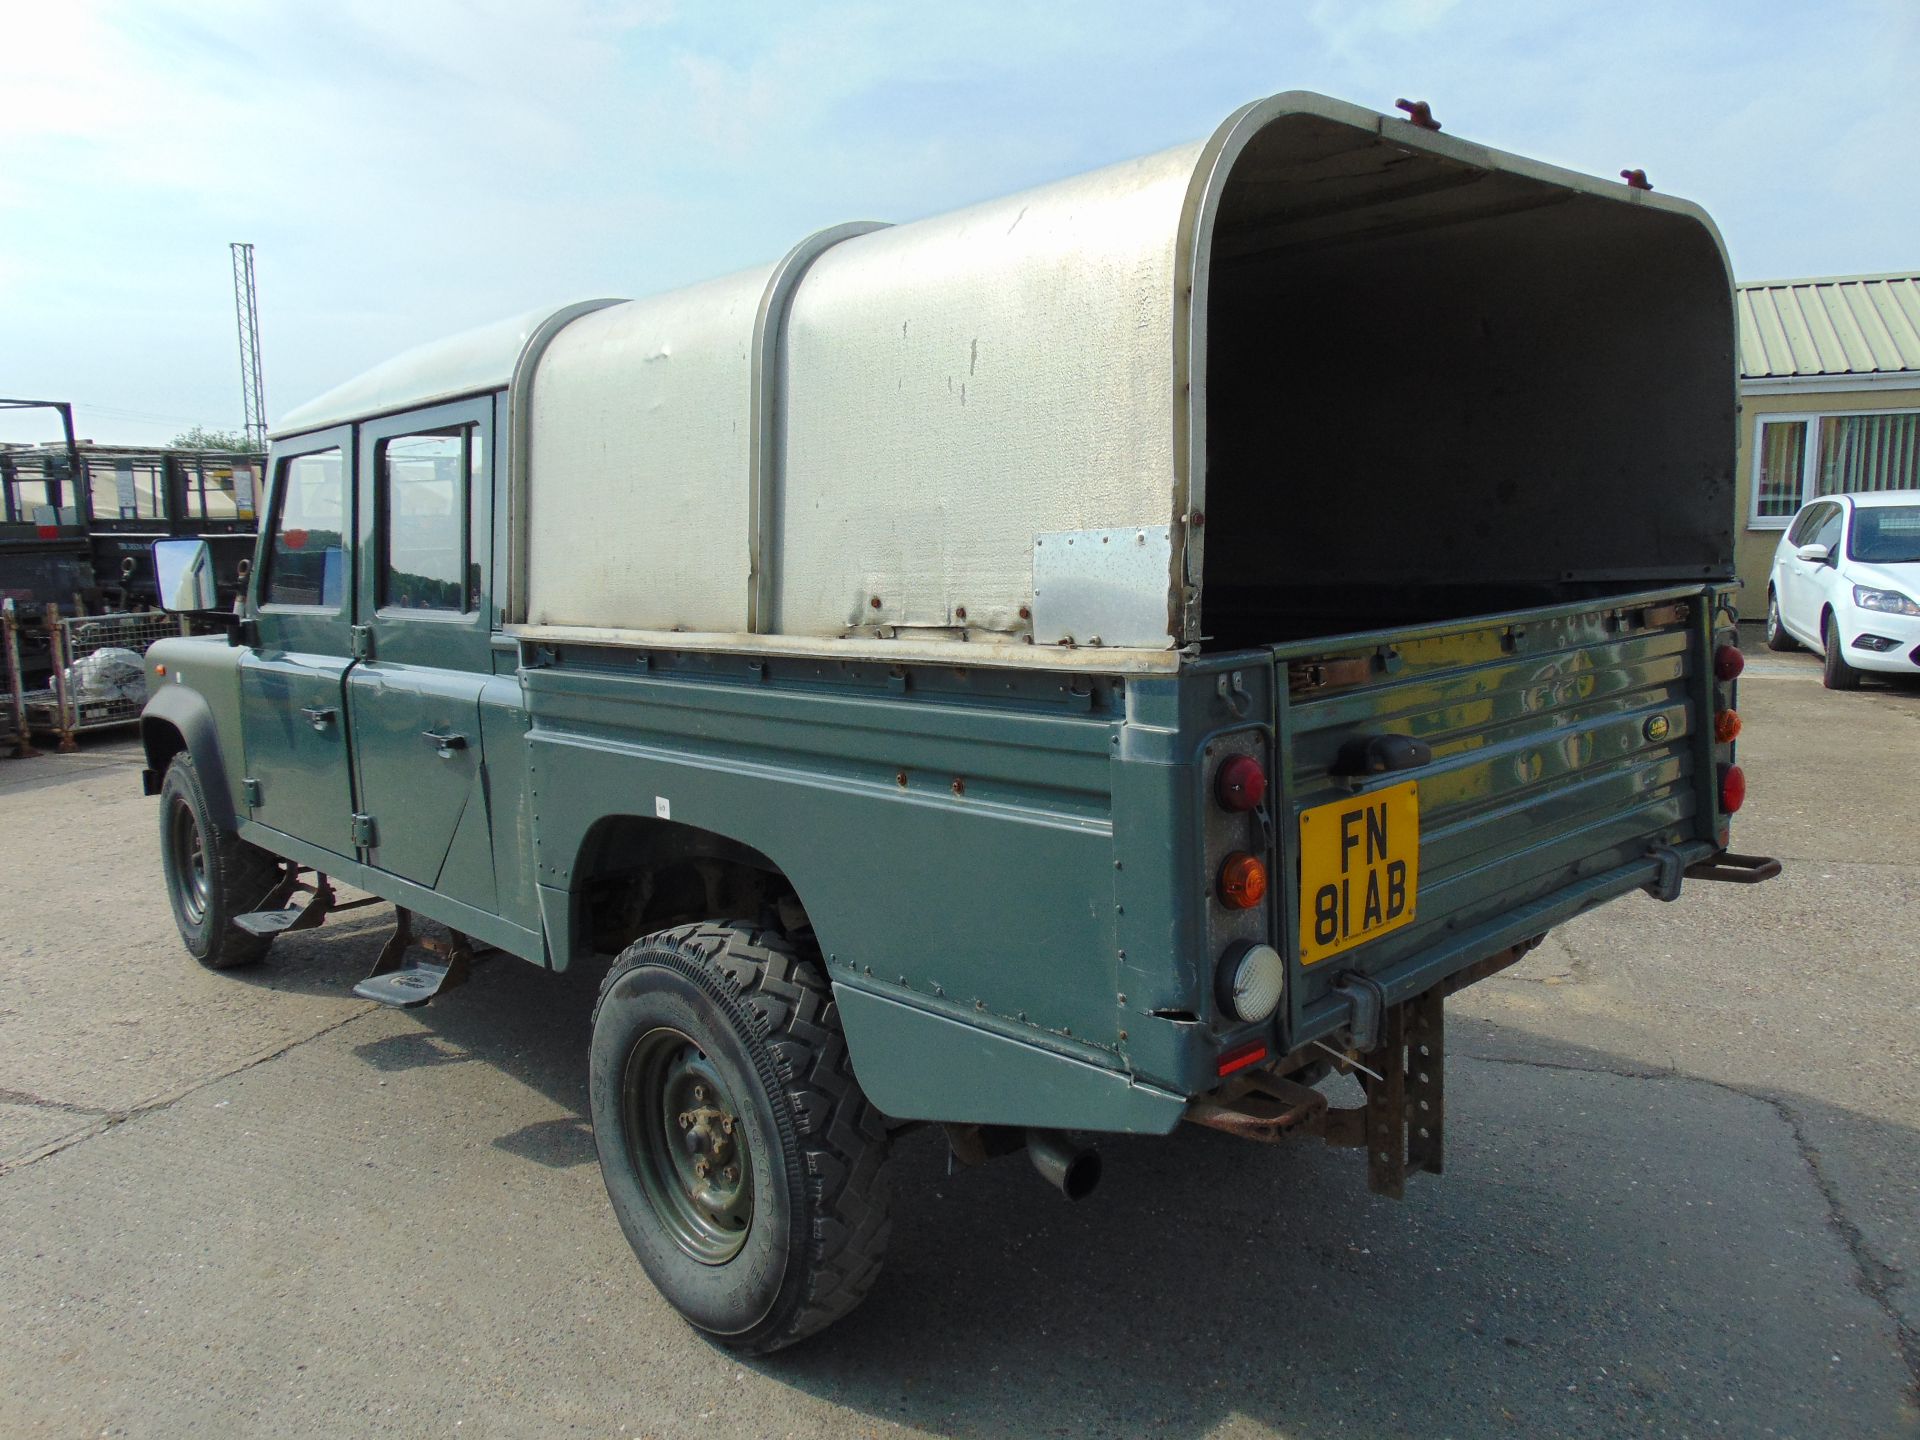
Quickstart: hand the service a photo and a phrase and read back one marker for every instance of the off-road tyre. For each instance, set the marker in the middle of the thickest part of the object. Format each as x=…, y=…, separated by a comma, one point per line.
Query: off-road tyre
x=1835, y=672
x=760, y=1018
x=1777, y=636
x=212, y=875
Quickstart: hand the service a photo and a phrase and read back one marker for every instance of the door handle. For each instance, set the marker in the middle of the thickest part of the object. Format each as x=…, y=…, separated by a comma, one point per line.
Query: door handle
x=319, y=716
x=1381, y=755
x=445, y=742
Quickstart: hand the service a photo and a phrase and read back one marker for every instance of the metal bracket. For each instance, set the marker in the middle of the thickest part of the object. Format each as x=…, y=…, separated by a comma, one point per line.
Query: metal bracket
x=1366, y=1002
x=363, y=831
x=362, y=642
x=1665, y=884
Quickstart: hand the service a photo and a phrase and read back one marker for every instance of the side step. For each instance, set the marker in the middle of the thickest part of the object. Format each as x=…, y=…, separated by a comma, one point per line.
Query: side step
x=413, y=969
x=280, y=916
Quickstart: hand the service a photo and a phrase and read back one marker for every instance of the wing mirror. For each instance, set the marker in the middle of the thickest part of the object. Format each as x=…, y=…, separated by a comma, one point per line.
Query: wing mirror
x=185, y=572
x=1812, y=554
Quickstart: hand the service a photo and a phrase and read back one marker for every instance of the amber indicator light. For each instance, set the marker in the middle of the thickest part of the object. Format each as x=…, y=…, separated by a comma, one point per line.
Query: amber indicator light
x=1726, y=726
x=1243, y=881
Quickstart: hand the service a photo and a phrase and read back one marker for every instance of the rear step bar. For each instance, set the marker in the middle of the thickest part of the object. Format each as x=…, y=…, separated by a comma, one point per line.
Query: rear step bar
x=1401, y=1125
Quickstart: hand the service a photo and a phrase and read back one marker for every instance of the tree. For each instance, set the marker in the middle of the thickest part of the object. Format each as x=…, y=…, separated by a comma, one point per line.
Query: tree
x=199, y=437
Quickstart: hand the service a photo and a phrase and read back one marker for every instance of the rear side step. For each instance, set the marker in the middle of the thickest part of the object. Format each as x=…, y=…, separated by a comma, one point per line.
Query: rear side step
x=413, y=969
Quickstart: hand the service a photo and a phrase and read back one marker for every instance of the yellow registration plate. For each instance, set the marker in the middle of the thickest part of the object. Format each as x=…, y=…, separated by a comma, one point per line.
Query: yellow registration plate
x=1359, y=869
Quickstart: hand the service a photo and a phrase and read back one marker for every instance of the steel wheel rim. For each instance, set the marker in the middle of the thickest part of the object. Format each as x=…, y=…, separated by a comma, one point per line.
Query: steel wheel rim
x=191, y=886
x=1773, y=616
x=688, y=1146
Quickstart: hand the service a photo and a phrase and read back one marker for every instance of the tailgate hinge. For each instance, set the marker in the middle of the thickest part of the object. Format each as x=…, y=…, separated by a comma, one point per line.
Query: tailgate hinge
x=363, y=642
x=363, y=831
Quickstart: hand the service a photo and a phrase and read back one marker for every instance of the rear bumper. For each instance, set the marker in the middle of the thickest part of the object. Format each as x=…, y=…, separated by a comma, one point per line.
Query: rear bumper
x=1420, y=973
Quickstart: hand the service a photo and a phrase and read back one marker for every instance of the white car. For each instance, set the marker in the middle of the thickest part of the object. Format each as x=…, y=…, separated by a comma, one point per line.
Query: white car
x=1846, y=583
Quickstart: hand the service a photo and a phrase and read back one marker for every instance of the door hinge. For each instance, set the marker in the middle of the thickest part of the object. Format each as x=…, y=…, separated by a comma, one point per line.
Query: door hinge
x=250, y=792
x=363, y=831
x=363, y=642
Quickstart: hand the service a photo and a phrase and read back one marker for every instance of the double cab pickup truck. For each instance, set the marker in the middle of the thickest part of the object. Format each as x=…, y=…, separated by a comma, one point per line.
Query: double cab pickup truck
x=1093, y=662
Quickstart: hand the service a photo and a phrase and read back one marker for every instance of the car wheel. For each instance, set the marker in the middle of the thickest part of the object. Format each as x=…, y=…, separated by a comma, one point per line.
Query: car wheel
x=213, y=876
x=1777, y=636
x=1836, y=673
x=744, y=1162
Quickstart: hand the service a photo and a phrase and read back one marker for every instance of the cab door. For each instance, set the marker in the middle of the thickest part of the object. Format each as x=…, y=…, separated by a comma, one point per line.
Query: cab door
x=414, y=698
x=293, y=702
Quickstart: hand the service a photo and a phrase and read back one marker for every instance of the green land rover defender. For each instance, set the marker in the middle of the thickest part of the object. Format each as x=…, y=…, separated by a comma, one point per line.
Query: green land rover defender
x=1093, y=661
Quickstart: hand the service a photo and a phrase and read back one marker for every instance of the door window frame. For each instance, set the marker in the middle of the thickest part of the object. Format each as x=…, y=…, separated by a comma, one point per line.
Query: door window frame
x=445, y=639
x=313, y=628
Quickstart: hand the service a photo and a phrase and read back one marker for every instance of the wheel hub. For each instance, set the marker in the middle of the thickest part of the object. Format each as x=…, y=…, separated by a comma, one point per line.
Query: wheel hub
x=689, y=1147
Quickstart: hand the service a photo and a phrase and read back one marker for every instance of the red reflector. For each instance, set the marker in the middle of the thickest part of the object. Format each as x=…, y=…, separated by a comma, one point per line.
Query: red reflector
x=1243, y=1056
x=1733, y=788
x=1726, y=726
x=1241, y=783
x=1728, y=662
x=47, y=532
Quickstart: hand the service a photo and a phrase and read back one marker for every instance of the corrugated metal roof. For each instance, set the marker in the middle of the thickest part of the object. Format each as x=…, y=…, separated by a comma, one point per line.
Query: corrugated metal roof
x=1839, y=325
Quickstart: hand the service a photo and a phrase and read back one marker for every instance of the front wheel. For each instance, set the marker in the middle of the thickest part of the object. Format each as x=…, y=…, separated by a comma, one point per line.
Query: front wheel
x=1835, y=672
x=212, y=875
x=1777, y=636
x=743, y=1161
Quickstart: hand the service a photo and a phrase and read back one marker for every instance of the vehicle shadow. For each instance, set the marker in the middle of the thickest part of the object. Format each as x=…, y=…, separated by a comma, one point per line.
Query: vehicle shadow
x=1609, y=1250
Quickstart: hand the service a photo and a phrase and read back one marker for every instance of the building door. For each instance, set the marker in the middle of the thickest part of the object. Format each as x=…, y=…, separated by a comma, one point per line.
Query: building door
x=293, y=701
x=425, y=538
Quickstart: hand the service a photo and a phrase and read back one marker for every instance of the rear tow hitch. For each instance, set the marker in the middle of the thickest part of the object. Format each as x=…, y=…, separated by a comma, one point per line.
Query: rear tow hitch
x=1401, y=1125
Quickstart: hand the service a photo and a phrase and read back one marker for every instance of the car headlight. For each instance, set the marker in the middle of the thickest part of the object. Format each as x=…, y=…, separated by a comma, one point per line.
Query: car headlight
x=1887, y=602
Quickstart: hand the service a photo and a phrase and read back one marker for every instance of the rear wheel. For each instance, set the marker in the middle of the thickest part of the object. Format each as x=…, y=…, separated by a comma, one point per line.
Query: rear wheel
x=1777, y=636
x=213, y=876
x=1836, y=673
x=746, y=1166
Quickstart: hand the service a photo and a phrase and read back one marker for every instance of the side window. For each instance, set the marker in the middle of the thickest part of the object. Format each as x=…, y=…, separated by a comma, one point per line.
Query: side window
x=425, y=540
x=1827, y=533
x=306, y=561
x=1809, y=518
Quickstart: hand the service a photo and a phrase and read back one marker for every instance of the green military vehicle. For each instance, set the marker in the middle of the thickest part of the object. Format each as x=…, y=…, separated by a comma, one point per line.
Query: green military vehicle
x=1090, y=662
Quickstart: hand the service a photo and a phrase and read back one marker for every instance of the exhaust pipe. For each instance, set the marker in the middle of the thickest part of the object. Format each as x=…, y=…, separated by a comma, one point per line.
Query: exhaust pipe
x=1071, y=1169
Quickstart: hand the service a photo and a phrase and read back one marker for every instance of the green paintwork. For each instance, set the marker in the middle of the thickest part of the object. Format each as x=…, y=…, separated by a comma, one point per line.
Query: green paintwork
x=910, y=1055
x=1009, y=872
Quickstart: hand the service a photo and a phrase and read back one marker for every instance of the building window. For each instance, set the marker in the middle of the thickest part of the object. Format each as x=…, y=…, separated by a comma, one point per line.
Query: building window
x=1798, y=457
x=1869, y=452
x=1783, y=468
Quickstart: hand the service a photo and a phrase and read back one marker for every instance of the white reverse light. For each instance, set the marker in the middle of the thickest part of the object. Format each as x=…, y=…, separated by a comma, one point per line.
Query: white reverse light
x=1256, y=977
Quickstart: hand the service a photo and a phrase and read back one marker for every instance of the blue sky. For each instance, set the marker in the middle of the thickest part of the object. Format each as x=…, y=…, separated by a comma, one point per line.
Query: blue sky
x=409, y=168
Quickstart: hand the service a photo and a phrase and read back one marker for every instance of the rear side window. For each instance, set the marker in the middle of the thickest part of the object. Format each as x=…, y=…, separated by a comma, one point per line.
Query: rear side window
x=424, y=483
x=306, y=561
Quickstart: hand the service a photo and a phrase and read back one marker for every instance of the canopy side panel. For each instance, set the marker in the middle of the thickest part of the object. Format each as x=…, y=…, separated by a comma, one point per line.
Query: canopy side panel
x=639, y=463
x=956, y=387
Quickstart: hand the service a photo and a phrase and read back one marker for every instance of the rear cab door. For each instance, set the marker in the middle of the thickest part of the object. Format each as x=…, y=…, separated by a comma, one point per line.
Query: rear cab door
x=292, y=680
x=414, y=697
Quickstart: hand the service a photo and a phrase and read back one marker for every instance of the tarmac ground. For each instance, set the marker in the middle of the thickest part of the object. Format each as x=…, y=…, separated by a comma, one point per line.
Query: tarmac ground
x=1680, y=1199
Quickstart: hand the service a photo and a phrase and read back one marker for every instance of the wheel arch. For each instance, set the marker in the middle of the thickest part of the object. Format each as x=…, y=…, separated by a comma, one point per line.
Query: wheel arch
x=633, y=874
x=178, y=719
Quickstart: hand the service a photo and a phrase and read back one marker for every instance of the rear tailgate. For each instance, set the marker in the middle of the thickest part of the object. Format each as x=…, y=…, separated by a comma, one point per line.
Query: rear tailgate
x=1568, y=746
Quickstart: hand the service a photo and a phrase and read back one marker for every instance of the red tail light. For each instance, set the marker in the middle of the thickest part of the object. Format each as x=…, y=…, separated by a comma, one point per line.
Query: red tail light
x=1733, y=788
x=1240, y=783
x=1728, y=662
